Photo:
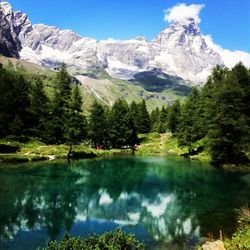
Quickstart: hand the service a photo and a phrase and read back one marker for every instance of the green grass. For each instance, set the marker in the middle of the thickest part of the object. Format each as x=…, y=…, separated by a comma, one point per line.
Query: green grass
x=34, y=150
x=159, y=144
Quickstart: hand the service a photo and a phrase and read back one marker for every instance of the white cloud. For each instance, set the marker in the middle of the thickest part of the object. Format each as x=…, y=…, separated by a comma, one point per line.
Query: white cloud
x=181, y=12
x=229, y=57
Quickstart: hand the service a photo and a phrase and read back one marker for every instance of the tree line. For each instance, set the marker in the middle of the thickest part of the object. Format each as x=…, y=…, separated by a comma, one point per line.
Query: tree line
x=215, y=117
x=57, y=117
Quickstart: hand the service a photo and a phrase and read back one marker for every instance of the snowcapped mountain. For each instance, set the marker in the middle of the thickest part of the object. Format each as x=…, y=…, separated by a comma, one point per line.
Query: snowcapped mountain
x=179, y=50
x=11, y=24
x=182, y=50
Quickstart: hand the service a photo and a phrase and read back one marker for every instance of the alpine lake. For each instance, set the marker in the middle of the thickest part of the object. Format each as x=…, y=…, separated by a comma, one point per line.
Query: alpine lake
x=167, y=203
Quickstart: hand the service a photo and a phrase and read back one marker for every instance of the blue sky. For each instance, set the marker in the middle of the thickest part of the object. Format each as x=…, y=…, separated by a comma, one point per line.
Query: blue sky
x=227, y=21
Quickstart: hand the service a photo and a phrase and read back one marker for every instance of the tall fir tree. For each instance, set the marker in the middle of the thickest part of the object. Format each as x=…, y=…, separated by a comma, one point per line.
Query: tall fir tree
x=134, y=109
x=155, y=119
x=227, y=127
x=14, y=103
x=122, y=130
x=39, y=109
x=59, y=107
x=190, y=129
x=143, y=122
x=173, y=117
x=98, y=126
x=76, y=125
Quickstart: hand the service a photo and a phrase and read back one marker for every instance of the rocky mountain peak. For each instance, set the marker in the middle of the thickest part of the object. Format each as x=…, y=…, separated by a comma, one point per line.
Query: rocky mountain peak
x=6, y=8
x=179, y=50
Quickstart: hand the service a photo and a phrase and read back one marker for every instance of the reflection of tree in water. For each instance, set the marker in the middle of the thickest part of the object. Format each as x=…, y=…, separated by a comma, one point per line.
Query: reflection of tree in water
x=38, y=199
x=171, y=202
x=48, y=196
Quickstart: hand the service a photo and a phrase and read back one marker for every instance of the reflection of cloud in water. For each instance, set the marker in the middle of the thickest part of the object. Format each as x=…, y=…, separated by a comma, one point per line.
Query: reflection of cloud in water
x=158, y=207
x=104, y=198
x=165, y=200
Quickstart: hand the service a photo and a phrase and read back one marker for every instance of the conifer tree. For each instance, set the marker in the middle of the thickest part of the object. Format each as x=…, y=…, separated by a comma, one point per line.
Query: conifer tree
x=76, y=125
x=39, y=109
x=59, y=107
x=190, y=130
x=173, y=118
x=143, y=123
x=134, y=109
x=155, y=119
x=227, y=125
x=98, y=125
x=122, y=130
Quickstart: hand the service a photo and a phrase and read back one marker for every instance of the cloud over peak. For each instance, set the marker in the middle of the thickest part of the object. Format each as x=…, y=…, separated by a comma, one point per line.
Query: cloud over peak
x=182, y=12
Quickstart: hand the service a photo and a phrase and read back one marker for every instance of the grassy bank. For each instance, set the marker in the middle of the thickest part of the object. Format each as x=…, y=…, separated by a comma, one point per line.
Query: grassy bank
x=166, y=144
x=34, y=150
x=159, y=144
x=152, y=144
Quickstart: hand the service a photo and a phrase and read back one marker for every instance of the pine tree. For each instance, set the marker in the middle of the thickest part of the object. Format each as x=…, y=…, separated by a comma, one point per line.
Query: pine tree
x=173, y=118
x=75, y=127
x=155, y=119
x=39, y=109
x=134, y=109
x=122, y=130
x=59, y=107
x=227, y=127
x=98, y=125
x=162, y=126
x=143, y=123
x=190, y=129
x=14, y=103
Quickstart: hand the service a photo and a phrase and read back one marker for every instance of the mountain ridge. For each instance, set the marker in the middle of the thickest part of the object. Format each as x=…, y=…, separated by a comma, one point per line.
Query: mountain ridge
x=179, y=50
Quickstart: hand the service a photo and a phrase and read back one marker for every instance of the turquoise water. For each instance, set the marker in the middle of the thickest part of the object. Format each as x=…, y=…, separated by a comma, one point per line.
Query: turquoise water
x=167, y=203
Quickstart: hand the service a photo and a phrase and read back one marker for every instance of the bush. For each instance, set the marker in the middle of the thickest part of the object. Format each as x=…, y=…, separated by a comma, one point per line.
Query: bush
x=241, y=238
x=116, y=240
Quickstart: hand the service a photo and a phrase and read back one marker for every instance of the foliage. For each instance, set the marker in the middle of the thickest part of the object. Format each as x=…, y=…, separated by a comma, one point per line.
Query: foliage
x=110, y=240
x=59, y=107
x=14, y=89
x=98, y=125
x=219, y=112
x=39, y=109
x=142, y=119
x=190, y=129
x=122, y=129
x=241, y=238
x=213, y=123
x=173, y=117
x=75, y=127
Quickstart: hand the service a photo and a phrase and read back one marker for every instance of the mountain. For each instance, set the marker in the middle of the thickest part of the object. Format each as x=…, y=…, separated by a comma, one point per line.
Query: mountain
x=179, y=50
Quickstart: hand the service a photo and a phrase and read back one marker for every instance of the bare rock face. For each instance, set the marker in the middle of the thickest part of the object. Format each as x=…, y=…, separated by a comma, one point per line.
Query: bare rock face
x=182, y=49
x=178, y=50
x=11, y=24
x=215, y=245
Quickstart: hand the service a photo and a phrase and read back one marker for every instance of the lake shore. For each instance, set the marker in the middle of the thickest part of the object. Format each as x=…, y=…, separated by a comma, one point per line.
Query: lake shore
x=152, y=144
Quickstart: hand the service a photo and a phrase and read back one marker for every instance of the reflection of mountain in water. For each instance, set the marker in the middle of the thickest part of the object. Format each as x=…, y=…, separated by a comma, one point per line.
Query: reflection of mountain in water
x=159, y=200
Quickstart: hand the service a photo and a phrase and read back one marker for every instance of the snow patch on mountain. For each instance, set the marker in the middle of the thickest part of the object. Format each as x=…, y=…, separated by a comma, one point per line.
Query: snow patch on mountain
x=179, y=50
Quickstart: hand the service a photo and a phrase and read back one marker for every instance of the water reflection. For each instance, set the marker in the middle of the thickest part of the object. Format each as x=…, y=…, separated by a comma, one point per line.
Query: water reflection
x=159, y=200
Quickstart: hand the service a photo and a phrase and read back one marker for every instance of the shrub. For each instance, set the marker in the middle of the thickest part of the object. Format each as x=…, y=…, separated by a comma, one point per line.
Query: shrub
x=241, y=238
x=116, y=240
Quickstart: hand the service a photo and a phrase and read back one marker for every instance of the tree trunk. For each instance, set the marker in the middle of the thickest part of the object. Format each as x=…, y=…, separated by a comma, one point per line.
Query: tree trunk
x=70, y=151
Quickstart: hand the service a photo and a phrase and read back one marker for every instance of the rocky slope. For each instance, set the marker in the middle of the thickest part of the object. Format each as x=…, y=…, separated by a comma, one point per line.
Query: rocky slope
x=178, y=50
